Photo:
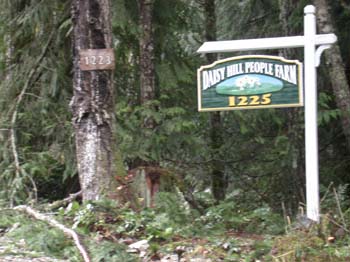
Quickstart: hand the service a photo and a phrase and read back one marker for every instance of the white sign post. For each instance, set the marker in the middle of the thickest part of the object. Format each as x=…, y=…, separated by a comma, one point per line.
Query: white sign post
x=310, y=40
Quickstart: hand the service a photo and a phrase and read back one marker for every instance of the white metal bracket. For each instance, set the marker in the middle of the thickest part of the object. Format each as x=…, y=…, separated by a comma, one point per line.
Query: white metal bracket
x=319, y=52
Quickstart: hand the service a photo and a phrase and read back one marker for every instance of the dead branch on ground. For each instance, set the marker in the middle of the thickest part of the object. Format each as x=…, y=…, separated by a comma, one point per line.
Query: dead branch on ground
x=52, y=222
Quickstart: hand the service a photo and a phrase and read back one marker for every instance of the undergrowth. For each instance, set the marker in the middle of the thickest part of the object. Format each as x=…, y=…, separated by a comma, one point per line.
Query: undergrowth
x=326, y=241
x=36, y=235
x=224, y=232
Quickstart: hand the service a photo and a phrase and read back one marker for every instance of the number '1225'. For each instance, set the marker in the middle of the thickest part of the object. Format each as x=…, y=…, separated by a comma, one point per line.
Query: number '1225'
x=255, y=100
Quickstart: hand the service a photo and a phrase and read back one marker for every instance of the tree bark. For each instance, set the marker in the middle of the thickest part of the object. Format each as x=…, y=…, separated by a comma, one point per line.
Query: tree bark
x=147, y=86
x=147, y=51
x=147, y=76
x=218, y=179
x=93, y=102
x=294, y=183
x=336, y=67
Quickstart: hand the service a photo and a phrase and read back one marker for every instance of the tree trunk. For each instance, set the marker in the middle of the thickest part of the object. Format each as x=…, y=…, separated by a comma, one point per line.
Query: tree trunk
x=218, y=179
x=335, y=64
x=147, y=90
x=294, y=183
x=147, y=77
x=147, y=51
x=92, y=103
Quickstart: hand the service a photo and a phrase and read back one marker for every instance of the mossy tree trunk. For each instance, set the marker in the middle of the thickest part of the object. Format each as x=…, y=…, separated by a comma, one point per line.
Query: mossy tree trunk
x=92, y=104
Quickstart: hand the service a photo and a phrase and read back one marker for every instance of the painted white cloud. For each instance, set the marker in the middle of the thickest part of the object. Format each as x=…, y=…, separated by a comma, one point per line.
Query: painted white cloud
x=247, y=82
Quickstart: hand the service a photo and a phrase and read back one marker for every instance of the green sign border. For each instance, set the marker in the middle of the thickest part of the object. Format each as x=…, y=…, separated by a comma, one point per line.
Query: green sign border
x=245, y=57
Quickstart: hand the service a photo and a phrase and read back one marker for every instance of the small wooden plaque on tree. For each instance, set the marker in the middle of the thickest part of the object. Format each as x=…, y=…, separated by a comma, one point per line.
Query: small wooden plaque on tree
x=97, y=59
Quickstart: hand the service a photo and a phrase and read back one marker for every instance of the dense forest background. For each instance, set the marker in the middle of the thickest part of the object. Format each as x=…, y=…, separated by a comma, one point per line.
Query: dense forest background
x=246, y=159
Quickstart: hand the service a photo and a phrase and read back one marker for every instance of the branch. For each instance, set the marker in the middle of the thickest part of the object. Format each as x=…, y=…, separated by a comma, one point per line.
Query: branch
x=337, y=224
x=339, y=208
x=71, y=233
x=62, y=202
x=18, y=102
x=327, y=191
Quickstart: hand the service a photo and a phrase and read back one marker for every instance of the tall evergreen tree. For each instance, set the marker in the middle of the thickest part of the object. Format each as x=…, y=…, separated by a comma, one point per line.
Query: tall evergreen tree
x=147, y=66
x=93, y=101
x=335, y=63
x=294, y=180
x=218, y=180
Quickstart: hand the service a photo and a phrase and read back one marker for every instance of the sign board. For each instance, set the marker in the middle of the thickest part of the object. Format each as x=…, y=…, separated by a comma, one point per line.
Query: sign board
x=97, y=59
x=249, y=82
x=313, y=45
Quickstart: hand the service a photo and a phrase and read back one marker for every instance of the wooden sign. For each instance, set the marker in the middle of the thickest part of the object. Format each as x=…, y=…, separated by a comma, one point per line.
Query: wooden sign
x=248, y=82
x=97, y=59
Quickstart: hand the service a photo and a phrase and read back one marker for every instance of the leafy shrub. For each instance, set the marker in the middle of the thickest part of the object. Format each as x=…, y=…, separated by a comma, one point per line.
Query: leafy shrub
x=229, y=216
x=110, y=252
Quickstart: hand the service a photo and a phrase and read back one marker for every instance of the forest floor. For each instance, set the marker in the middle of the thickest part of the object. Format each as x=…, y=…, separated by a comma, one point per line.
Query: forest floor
x=17, y=251
x=191, y=250
x=188, y=250
x=172, y=234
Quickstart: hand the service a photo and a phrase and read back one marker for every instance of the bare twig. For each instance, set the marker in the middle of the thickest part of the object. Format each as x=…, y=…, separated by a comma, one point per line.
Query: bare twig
x=287, y=254
x=286, y=217
x=71, y=233
x=337, y=224
x=326, y=194
x=34, y=95
x=34, y=187
x=18, y=102
x=339, y=208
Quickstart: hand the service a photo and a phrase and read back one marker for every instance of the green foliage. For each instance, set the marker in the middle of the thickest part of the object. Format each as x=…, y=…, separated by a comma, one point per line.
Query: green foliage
x=309, y=246
x=327, y=241
x=147, y=223
x=42, y=131
x=326, y=114
x=296, y=246
x=247, y=19
x=230, y=216
x=38, y=236
x=334, y=196
x=232, y=230
x=172, y=205
x=107, y=251
x=173, y=133
x=261, y=156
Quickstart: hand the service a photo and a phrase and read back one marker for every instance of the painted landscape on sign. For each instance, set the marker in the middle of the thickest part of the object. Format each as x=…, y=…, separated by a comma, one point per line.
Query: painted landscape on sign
x=252, y=84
